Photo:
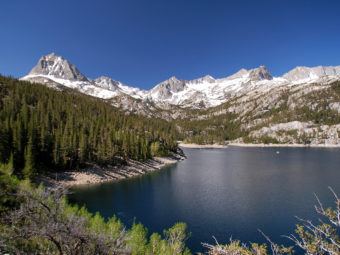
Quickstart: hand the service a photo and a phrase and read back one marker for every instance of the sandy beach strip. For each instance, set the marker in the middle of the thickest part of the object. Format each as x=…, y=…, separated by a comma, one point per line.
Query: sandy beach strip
x=296, y=145
x=274, y=145
x=202, y=146
x=97, y=174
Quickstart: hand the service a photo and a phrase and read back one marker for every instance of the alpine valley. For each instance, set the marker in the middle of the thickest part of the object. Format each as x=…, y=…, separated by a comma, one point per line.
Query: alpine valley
x=251, y=106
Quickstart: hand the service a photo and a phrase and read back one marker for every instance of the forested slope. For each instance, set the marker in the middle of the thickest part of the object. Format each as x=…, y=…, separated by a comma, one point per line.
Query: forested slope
x=42, y=129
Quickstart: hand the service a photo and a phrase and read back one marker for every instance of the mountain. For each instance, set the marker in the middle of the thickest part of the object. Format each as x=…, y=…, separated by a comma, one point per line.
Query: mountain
x=107, y=83
x=56, y=71
x=249, y=105
x=58, y=67
x=303, y=73
x=199, y=93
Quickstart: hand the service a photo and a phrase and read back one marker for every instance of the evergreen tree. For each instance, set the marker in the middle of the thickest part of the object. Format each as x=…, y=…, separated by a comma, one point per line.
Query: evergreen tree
x=7, y=168
x=29, y=169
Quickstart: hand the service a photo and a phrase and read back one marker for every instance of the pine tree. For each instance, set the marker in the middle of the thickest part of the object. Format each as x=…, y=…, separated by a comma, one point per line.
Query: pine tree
x=29, y=169
x=8, y=167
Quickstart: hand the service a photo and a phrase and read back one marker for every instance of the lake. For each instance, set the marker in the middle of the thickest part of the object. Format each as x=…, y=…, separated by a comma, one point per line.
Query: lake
x=224, y=193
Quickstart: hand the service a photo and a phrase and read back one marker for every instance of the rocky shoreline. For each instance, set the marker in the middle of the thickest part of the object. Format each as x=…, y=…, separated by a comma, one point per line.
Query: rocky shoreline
x=237, y=144
x=97, y=174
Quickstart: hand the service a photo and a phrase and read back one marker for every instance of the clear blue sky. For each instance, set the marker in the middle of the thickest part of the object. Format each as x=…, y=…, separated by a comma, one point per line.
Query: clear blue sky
x=143, y=42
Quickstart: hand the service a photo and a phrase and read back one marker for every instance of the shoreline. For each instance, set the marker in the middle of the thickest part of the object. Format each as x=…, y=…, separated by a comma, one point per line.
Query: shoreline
x=202, y=146
x=259, y=145
x=97, y=174
x=294, y=145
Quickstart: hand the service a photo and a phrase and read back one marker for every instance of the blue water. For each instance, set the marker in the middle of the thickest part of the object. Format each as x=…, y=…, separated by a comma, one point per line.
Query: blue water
x=224, y=193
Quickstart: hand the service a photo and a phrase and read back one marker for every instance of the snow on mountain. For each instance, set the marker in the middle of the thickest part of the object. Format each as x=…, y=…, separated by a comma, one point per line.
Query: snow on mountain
x=256, y=74
x=132, y=91
x=107, y=83
x=208, y=91
x=168, y=91
x=206, y=78
x=112, y=85
x=305, y=74
x=56, y=71
x=202, y=92
x=58, y=67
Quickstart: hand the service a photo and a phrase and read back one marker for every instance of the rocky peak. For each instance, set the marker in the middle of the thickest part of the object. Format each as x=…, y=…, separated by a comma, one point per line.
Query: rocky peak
x=303, y=72
x=260, y=73
x=58, y=67
x=172, y=80
x=166, y=88
x=242, y=73
x=256, y=74
x=172, y=84
x=106, y=83
x=206, y=78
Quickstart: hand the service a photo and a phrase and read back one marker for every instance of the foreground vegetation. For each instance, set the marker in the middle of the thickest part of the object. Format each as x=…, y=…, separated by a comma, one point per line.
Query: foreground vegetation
x=34, y=220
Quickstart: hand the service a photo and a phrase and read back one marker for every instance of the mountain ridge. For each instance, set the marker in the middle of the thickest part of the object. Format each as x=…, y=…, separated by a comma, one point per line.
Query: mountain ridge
x=202, y=92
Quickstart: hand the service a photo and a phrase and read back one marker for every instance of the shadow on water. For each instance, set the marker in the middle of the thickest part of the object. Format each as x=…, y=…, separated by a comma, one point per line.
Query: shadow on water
x=223, y=193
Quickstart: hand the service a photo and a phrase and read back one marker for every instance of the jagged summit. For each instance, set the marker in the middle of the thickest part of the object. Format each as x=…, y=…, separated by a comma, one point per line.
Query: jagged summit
x=242, y=73
x=260, y=73
x=172, y=79
x=207, y=78
x=107, y=83
x=165, y=89
x=256, y=74
x=303, y=72
x=57, y=66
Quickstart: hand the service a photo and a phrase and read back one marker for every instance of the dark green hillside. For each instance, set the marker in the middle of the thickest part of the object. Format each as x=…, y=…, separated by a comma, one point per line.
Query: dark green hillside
x=213, y=129
x=42, y=129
